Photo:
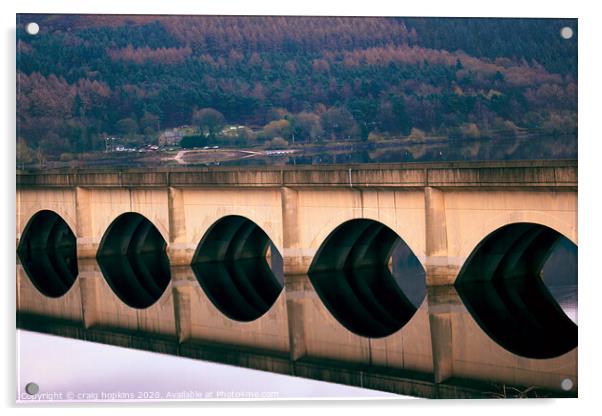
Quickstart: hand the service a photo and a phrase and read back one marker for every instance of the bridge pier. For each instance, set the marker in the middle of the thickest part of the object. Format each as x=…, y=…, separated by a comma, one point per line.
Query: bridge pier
x=296, y=287
x=296, y=260
x=87, y=246
x=179, y=251
x=441, y=301
x=439, y=271
x=441, y=211
x=91, y=280
x=182, y=293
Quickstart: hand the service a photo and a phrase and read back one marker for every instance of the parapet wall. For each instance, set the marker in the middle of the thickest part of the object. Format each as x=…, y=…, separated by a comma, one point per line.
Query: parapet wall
x=556, y=174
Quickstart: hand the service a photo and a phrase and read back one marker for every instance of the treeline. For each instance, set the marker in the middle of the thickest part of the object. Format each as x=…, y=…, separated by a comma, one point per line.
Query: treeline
x=85, y=77
x=534, y=40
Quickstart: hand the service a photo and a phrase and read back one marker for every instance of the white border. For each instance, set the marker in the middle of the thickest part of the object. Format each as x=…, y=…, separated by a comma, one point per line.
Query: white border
x=590, y=152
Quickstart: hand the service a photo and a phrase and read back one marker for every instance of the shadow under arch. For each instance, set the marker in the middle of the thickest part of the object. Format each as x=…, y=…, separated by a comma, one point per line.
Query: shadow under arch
x=351, y=275
x=502, y=288
x=132, y=257
x=231, y=266
x=48, y=253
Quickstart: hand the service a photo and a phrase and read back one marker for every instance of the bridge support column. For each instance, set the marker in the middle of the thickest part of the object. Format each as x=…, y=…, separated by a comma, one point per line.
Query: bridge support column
x=438, y=269
x=178, y=250
x=87, y=247
x=296, y=287
x=441, y=302
x=295, y=262
x=182, y=293
x=90, y=280
x=295, y=268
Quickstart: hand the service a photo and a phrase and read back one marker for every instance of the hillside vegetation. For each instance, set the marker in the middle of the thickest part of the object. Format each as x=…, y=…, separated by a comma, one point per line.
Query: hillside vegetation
x=301, y=79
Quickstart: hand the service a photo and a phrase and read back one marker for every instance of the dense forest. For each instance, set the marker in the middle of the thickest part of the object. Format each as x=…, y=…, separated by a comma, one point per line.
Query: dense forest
x=301, y=79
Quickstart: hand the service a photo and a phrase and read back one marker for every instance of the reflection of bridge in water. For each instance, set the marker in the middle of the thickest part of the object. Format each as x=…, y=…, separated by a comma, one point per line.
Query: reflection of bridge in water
x=420, y=279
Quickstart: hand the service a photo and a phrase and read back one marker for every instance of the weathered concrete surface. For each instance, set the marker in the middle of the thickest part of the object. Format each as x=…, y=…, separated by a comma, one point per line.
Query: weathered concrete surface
x=442, y=211
x=494, y=174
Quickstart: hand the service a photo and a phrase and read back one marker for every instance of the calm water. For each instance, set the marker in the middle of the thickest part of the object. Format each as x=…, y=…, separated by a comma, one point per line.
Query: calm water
x=524, y=148
x=509, y=148
x=533, y=316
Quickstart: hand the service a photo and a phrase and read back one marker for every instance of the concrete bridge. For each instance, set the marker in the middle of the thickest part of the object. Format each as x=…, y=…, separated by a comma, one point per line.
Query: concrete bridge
x=464, y=222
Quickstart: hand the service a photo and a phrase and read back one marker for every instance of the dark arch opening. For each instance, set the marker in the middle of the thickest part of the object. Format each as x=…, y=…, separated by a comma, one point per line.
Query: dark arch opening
x=232, y=264
x=502, y=286
x=368, y=278
x=132, y=257
x=48, y=253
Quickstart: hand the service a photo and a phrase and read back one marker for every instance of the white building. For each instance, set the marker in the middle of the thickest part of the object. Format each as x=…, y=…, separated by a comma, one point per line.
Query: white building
x=170, y=137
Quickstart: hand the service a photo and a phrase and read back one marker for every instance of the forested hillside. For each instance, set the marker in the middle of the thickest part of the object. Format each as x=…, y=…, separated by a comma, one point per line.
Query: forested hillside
x=84, y=77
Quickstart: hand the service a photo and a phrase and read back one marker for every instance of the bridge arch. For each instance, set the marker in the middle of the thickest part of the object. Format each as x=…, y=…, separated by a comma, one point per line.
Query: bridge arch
x=231, y=266
x=132, y=257
x=26, y=212
x=351, y=275
x=471, y=240
x=48, y=253
x=408, y=234
x=108, y=222
x=270, y=226
x=511, y=251
x=502, y=288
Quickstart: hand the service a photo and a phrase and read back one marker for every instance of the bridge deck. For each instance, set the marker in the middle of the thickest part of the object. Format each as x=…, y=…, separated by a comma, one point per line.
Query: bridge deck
x=498, y=174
